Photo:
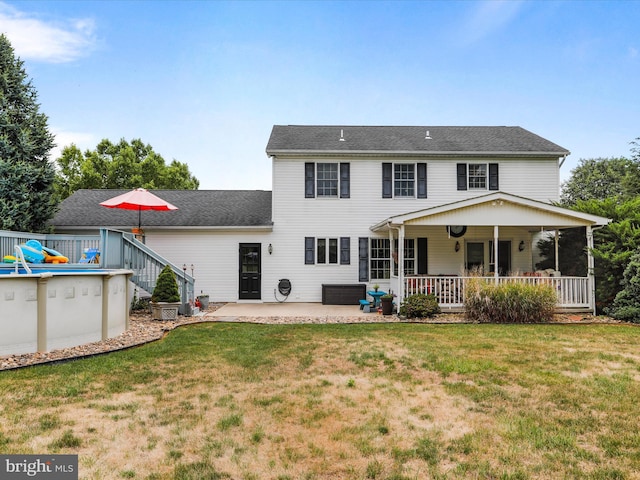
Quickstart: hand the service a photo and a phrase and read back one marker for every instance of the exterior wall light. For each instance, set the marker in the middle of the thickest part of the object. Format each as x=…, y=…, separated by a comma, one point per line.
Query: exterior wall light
x=457, y=247
x=521, y=246
x=270, y=249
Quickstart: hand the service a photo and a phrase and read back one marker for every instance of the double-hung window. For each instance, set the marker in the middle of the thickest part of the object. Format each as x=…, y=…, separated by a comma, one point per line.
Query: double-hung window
x=409, y=256
x=404, y=180
x=477, y=176
x=404, y=176
x=380, y=258
x=327, y=180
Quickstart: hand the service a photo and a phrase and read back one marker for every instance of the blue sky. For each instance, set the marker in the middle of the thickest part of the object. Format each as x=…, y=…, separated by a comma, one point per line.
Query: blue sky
x=203, y=82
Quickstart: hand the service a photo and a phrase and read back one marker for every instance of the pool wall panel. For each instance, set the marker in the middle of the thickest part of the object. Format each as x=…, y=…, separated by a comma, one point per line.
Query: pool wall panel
x=45, y=311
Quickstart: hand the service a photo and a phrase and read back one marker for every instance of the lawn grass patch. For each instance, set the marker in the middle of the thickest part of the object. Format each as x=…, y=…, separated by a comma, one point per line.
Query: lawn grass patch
x=341, y=401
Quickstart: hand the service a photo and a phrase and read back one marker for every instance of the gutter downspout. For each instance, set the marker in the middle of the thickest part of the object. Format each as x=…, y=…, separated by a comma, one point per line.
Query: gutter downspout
x=562, y=161
x=496, y=240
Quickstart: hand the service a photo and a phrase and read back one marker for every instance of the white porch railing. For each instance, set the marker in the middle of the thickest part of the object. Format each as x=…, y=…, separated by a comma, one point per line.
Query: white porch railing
x=573, y=292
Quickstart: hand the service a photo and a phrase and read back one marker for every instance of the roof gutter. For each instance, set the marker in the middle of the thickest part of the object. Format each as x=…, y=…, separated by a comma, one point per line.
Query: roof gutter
x=406, y=153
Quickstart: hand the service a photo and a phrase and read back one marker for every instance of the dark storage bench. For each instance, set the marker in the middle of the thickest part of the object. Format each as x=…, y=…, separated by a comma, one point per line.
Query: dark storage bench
x=343, y=294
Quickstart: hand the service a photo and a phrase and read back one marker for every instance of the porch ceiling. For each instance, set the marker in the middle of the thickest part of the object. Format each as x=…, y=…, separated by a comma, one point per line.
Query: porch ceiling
x=500, y=209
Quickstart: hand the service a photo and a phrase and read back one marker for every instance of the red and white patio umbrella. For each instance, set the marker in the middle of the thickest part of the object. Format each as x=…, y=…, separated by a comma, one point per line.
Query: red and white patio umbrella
x=138, y=199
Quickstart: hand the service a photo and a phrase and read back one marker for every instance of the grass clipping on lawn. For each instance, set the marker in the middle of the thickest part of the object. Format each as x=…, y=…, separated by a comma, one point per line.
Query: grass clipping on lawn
x=380, y=401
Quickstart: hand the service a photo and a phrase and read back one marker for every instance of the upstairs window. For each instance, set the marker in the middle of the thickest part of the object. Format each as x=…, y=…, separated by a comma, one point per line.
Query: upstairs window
x=327, y=180
x=327, y=175
x=477, y=176
x=404, y=180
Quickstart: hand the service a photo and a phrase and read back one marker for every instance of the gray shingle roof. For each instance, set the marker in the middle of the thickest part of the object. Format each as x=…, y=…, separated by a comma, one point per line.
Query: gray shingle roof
x=196, y=208
x=443, y=140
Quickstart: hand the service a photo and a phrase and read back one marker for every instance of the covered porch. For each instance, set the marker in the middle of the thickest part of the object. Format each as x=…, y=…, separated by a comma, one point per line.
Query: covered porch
x=493, y=236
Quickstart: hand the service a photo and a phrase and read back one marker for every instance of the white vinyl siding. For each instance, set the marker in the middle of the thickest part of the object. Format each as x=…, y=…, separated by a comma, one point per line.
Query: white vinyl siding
x=293, y=219
x=216, y=271
x=214, y=253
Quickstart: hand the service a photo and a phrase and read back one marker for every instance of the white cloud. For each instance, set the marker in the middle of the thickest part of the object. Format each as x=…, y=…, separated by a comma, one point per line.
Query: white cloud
x=53, y=42
x=488, y=17
x=633, y=52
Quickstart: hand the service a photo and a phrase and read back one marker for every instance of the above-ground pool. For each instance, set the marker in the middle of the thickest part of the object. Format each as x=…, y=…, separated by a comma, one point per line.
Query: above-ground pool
x=50, y=309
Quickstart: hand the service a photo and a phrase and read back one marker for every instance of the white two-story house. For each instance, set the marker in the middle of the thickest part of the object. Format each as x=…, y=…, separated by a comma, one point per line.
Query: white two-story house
x=413, y=209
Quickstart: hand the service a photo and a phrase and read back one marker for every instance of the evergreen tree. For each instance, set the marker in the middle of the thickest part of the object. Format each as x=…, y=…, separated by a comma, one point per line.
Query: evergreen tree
x=166, y=289
x=614, y=244
x=26, y=175
x=608, y=187
x=626, y=305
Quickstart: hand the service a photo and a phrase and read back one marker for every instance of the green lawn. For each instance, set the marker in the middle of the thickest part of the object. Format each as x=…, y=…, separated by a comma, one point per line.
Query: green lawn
x=391, y=401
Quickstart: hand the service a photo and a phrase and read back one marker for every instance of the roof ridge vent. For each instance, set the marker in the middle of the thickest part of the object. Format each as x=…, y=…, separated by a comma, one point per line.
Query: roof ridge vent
x=427, y=136
x=342, y=135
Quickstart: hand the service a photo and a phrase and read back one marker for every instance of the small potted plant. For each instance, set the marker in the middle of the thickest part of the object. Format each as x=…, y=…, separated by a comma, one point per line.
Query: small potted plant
x=387, y=303
x=165, y=299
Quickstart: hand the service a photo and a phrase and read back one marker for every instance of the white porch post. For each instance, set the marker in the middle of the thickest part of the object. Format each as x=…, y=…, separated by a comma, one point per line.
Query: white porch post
x=400, y=266
x=495, y=251
x=557, y=249
x=590, y=270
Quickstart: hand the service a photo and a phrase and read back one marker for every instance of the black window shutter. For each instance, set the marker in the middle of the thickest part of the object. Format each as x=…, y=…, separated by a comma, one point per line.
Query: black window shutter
x=493, y=177
x=345, y=250
x=344, y=181
x=422, y=257
x=387, y=180
x=422, y=180
x=309, y=180
x=309, y=250
x=462, y=176
x=363, y=259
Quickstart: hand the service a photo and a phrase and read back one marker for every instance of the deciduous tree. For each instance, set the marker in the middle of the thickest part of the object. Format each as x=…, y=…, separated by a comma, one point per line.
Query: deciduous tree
x=122, y=165
x=598, y=178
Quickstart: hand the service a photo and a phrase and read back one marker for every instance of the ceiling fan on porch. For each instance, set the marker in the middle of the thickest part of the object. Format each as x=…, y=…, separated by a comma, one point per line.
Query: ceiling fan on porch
x=456, y=231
